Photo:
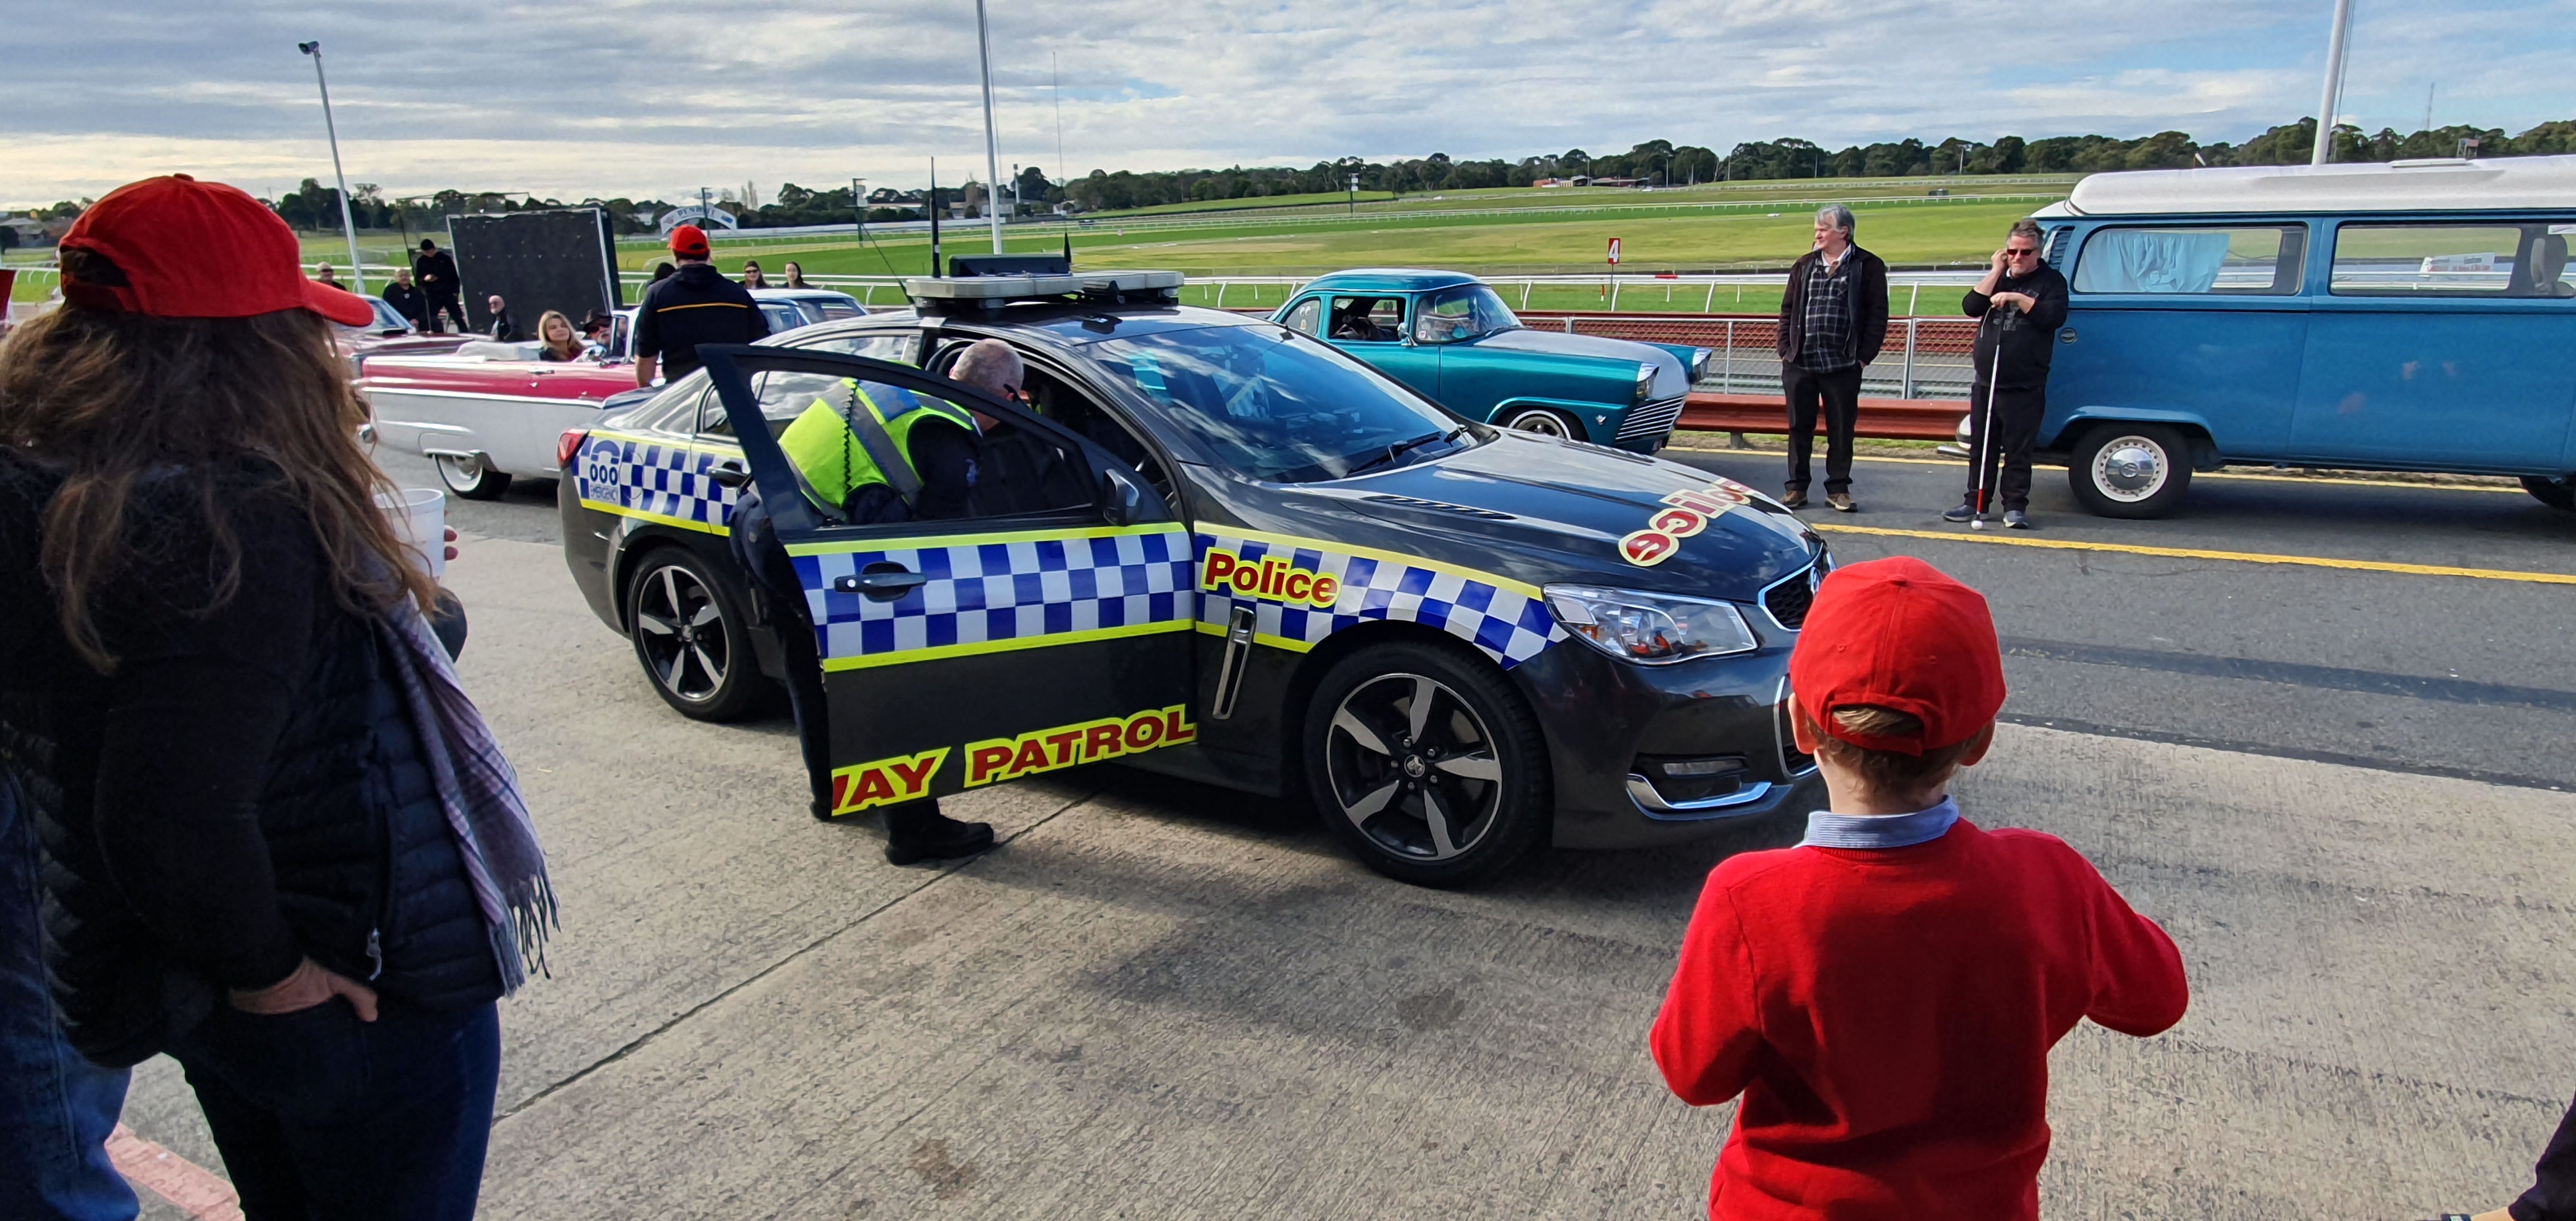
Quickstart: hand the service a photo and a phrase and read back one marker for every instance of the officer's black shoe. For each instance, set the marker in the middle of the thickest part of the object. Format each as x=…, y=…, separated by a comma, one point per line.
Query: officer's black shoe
x=928, y=835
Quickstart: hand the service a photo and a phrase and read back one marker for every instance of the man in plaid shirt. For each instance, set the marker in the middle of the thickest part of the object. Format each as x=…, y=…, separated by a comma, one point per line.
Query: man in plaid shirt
x=1833, y=318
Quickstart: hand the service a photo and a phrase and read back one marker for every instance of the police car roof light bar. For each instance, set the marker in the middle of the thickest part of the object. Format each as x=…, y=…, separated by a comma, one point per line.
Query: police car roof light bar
x=991, y=292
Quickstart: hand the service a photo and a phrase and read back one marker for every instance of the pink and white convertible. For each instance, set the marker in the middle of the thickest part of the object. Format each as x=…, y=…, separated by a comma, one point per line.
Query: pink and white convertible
x=491, y=412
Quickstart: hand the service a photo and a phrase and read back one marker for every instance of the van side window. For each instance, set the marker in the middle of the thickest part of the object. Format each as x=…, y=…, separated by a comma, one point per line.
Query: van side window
x=2493, y=260
x=1308, y=315
x=2234, y=261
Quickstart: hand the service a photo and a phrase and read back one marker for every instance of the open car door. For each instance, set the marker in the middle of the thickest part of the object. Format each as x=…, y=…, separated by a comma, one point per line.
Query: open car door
x=1051, y=628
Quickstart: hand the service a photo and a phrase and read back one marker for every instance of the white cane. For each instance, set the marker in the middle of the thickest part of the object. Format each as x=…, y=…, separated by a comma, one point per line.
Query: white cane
x=1986, y=429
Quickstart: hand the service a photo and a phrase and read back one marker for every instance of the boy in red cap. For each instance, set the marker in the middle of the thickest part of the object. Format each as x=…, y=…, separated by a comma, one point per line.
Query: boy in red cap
x=1884, y=994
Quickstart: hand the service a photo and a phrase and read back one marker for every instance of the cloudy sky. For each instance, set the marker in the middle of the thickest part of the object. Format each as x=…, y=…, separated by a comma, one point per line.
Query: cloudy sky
x=621, y=97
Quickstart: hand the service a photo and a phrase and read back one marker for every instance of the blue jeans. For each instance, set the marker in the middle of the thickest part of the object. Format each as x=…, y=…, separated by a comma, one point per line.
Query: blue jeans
x=320, y=1115
x=56, y=1108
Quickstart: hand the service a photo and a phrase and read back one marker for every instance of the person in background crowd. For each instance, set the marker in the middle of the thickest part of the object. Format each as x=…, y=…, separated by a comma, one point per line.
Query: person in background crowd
x=695, y=305
x=325, y=278
x=1883, y=996
x=596, y=330
x=406, y=300
x=663, y=269
x=280, y=843
x=503, y=329
x=2019, y=306
x=751, y=274
x=555, y=338
x=441, y=292
x=1833, y=319
x=793, y=274
x=940, y=442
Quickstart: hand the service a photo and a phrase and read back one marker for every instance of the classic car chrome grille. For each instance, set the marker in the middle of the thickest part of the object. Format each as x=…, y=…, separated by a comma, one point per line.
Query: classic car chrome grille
x=1651, y=419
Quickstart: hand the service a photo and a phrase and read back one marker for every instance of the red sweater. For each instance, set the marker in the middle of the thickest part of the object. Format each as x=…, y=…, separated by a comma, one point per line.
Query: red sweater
x=1887, y=1015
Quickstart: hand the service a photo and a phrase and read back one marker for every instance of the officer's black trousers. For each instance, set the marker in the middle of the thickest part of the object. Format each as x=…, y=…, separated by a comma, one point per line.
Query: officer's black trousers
x=804, y=662
x=2007, y=443
x=449, y=306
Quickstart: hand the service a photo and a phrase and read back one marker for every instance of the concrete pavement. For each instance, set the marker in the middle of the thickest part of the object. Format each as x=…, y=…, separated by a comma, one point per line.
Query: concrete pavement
x=1164, y=1000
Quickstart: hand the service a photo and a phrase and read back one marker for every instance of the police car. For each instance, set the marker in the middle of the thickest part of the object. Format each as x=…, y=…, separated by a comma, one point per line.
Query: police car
x=1212, y=546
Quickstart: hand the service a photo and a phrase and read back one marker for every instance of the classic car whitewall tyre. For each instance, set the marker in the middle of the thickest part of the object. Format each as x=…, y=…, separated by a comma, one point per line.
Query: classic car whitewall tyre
x=471, y=478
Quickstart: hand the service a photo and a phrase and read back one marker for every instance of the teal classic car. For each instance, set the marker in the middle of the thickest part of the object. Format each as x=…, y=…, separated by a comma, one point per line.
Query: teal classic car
x=1447, y=335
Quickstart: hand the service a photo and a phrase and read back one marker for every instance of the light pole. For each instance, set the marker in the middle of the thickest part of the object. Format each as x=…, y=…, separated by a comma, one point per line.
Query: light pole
x=859, y=208
x=2334, y=84
x=992, y=153
x=1354, y=198
x=348, y=227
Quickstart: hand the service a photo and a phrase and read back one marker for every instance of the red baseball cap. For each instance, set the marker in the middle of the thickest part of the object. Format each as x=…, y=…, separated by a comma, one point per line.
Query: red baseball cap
x=193, y=249
x=689, y=240
x=1900, y=634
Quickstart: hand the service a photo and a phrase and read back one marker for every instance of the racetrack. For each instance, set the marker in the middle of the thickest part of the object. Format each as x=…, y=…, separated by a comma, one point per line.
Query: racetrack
x=1160, y=999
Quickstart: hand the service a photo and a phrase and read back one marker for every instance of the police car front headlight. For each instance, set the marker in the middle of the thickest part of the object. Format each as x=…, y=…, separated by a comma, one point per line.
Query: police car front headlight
x=1651, y=629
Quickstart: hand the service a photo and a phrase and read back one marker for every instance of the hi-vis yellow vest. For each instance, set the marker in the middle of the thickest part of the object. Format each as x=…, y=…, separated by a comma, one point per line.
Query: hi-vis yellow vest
x=830, y=458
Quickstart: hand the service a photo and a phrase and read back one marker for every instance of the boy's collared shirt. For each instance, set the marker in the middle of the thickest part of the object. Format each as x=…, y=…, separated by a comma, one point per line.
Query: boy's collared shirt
x=1885, y=1010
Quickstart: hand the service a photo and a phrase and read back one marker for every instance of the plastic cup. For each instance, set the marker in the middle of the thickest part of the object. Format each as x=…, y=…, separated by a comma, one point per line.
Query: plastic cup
x=419, y=517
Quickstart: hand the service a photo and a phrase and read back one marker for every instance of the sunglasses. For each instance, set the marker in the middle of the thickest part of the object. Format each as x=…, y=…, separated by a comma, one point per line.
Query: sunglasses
x=2021, y=251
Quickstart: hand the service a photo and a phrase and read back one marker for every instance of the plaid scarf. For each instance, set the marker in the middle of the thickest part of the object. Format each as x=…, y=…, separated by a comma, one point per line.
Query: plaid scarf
x=480, y=794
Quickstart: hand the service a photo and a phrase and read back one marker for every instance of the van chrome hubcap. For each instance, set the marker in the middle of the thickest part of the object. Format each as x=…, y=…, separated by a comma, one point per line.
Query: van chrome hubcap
x=2130, y=468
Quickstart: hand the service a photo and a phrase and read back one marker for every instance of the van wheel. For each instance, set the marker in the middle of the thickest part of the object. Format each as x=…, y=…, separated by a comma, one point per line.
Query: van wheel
x=2557, y=493
x=472, y=478
x=1542, y=421
x=693, y=637
x=1425, y=762
x=2130, y=470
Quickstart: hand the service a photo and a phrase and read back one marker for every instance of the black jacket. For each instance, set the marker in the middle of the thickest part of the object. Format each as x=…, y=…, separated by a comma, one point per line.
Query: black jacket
x=504, y=330
x=406, y=300
x=1868, y=294
x=436, y=275
x=693, y=306
x=2029, y=339
x=244, y=790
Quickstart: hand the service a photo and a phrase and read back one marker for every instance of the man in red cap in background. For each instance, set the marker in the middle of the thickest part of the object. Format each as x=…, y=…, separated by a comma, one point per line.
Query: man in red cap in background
x=1884, y=994
x=692, y=306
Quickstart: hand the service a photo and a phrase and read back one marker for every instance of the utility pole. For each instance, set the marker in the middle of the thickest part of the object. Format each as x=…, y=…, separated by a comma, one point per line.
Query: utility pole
x=2334, y=83
x=348, y=227
x=992, y=153
x=859, y=208
x=1354, y=199
x=1055, y=85
x=704, y=215
x=2428, y=106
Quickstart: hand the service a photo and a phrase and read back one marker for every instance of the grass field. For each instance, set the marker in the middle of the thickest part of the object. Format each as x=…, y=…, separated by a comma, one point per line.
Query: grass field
x=1494, y=232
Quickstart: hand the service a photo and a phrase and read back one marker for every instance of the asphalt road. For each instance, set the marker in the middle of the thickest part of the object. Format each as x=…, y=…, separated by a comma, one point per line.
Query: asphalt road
x=1159, y=999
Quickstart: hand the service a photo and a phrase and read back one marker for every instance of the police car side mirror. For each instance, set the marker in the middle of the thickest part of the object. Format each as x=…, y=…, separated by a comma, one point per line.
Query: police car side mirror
x=1122, y=503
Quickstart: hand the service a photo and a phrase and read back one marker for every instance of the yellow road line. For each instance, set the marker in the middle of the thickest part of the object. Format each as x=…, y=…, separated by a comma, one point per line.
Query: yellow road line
x=1962, y=463
x=2188, y=553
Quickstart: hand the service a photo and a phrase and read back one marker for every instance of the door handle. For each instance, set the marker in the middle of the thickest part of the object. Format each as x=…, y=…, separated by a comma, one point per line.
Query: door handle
x=729, y=474
x=885, y=586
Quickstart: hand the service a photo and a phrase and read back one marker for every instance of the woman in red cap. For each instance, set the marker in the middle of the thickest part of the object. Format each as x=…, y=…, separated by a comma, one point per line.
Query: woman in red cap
x=280, y=843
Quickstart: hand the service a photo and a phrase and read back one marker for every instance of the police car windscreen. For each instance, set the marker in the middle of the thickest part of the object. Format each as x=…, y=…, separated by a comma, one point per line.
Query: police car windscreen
x=1274, y=407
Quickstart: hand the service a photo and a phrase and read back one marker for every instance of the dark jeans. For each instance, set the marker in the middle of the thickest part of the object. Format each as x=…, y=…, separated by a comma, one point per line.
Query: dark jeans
x=56, y=1108
x=2553, y=1191
x=452, y=308
x=1838, y=394
x=320, y=1115
x=2015, y=429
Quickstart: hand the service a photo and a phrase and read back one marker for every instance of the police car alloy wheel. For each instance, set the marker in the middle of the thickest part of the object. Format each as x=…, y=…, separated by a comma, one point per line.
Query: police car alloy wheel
x=689, y=633
x=1542, y=421
x=471, y=478
x=1426, y=763
x=2130, y=470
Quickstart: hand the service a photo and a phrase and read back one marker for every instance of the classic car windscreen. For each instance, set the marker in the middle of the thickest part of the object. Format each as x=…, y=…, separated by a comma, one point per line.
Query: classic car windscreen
x=1455, y=315
x=1274, y=406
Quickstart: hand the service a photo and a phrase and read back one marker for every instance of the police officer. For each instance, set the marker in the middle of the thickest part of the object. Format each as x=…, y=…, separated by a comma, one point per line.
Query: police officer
x=2020, y=304
x=833, y=446
x=692, y=306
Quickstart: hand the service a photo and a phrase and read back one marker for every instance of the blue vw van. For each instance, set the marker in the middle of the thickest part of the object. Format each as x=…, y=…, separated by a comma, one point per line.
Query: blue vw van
x=2414, y=316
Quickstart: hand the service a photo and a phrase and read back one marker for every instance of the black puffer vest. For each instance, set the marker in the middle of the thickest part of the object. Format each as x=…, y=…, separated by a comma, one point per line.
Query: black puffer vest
x=368, y=875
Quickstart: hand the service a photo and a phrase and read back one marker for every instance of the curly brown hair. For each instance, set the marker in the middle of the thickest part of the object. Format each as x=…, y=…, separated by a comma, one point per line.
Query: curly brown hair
x=109, y=398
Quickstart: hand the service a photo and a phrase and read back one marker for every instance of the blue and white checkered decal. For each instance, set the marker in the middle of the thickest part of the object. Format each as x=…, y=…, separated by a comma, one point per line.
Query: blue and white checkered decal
x=1009, y=592
x=1504, y=618
x=663, y=480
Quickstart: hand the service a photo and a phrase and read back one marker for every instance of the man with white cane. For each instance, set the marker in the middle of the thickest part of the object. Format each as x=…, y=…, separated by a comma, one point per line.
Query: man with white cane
x=2022, y=303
